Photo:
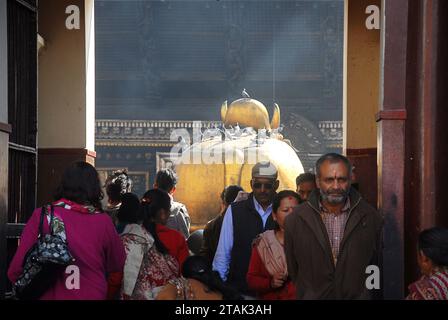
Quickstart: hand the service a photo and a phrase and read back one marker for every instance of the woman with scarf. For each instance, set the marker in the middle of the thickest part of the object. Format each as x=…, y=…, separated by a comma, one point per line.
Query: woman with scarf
x=267, y=275
x=154, y=252
x=89, y=232
x=433, y=262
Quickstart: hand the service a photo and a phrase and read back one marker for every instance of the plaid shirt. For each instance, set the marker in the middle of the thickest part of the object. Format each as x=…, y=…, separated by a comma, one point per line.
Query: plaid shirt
x=335, y=225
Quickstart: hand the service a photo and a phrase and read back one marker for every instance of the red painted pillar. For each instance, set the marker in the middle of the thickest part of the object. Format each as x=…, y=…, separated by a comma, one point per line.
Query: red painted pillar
x=391, y=142
x=426, y=135
x=412, y=136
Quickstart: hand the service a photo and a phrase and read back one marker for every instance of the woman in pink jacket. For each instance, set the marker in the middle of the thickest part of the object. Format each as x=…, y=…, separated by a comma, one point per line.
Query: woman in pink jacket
x=91, y=237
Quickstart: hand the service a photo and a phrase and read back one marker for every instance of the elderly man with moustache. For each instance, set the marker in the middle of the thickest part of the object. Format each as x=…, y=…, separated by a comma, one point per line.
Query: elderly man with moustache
x=333, y=237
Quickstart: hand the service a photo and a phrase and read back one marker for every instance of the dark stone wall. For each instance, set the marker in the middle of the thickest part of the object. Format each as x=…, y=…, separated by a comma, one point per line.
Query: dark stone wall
x=179, y=60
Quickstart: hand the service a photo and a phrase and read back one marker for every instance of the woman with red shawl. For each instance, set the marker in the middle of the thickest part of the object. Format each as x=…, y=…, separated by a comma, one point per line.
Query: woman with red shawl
x=268, y=275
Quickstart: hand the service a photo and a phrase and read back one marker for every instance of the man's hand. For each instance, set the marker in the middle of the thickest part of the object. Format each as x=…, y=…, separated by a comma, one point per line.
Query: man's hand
x=242, y=195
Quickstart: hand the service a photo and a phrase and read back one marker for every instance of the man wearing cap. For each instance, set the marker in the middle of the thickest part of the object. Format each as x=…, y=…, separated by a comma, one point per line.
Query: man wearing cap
x=243, y=222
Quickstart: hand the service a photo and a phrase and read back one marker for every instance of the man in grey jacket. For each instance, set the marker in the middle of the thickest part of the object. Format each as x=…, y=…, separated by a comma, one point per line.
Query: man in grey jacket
x=166, y=180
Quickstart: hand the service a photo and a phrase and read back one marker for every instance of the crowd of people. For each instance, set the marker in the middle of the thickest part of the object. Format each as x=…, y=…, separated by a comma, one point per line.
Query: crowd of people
x=314, y=242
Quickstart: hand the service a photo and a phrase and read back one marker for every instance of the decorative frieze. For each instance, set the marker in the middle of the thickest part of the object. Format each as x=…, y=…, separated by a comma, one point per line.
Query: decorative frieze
x=141, y=133
x=138, y=133
x=331, y=131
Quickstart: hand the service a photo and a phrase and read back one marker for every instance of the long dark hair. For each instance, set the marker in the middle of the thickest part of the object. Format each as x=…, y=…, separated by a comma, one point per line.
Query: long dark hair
x=153, y=201
x=130, y=209
x=434, y=244
x=80, y=183
x=197, y=267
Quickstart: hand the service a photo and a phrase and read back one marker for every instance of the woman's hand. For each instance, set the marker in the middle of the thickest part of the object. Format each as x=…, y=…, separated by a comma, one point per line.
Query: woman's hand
x=277, y=281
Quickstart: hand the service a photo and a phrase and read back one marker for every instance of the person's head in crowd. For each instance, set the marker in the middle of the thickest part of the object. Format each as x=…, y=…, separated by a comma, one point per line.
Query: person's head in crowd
x=197, y=267
x=305, y=183
x=117, y=184
x=130, y=209
x=354, y=179
x=80, y=183
x=433, y=250
x=333, y=177
x=166, y=180
x=264, y=182
x=195, y=240
x=284, y=203
x=228, y=195
x=156, y=206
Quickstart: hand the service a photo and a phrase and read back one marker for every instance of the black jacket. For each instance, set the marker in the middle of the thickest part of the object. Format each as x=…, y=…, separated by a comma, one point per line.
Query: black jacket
x=210, y=238
x=247, y=225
